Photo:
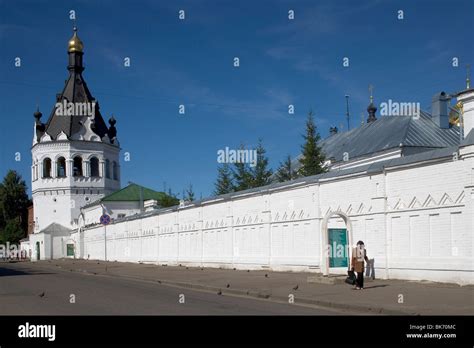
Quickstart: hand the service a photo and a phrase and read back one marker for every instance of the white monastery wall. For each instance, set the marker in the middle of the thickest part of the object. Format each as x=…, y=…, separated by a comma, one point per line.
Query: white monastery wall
x=416, y=222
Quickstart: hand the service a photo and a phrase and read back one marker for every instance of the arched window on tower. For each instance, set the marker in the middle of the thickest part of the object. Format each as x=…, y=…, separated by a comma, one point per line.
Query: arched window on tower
x=94, y=163
x=77, y=166
x=115, y=170
x=107, y=169
x=47, y=168
x=61, y=165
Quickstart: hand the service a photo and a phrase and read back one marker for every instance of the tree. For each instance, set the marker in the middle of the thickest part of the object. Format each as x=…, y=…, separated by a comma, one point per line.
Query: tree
x=286, y=172
x=312, y=158
x=14, y=204
x=224, y=183
x=261, y=174
x=169, y=200
x=189, y=194
x=13, y=232
x=241, y=173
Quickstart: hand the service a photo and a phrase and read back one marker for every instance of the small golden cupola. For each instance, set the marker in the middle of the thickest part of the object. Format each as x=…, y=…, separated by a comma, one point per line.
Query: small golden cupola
x=75, y=43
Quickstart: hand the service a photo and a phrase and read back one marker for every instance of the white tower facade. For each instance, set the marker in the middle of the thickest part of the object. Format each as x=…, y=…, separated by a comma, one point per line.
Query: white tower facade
x=466, y=99
x=75, y=155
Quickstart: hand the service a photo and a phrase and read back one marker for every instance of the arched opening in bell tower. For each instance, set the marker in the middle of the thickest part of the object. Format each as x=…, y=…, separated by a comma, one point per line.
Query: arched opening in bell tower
x=77, y=166
x=94, y=163
x=61, y=167
x=47, y=168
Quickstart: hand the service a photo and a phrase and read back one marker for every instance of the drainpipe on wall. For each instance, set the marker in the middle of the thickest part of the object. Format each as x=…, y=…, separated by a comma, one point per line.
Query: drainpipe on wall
x=141, y=240
x=201, y=228
x=387, y=237
x=141, y=200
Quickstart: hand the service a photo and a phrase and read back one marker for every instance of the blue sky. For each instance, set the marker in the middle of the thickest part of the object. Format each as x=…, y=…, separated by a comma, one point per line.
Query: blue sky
x=190, y=62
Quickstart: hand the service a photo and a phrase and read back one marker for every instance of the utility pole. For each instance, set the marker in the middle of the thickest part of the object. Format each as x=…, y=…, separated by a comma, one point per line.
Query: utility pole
x=468, y=76
x=347, y=113
x=141, y=200
x=104, y=223
x=105, y=245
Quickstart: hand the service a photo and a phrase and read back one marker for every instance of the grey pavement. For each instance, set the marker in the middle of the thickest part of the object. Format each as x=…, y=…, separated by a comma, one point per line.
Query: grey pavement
x=378, y=297
x=39, y=289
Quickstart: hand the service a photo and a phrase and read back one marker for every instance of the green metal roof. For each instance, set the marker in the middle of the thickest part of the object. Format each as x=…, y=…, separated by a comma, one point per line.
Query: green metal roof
x=132, y=193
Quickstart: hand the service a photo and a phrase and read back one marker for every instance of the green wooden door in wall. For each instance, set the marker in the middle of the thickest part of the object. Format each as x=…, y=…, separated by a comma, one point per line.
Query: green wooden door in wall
x=70, y=249
x=338, y=244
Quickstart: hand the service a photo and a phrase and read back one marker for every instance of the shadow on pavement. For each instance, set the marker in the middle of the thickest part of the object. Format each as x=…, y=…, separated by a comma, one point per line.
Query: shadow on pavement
x=7, y=272
x=375, y=286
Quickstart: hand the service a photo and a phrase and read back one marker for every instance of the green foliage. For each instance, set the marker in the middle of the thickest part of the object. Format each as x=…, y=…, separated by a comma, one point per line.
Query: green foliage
x=224, y=183
x=12, y=232
x=242, y=175
x=261, y=174
x=312, y=158
x=190, y=196
x=285, y=171
x=169, y=200
x=14, y=204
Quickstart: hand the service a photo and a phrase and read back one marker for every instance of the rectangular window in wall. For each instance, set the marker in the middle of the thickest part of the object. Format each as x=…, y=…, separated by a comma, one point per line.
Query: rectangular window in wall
x=369, y=236
x=312, y=248
x=298, y=241
x=440, y=236
x=400, y=246
x=460, y=240
x=277, y=241
x=356, y=230
x=419, y=236
x=287, y=240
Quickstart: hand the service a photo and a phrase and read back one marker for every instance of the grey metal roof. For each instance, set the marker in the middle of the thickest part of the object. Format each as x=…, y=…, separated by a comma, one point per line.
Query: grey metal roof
x=469, y=139
x=56, y=228
x=389, y=132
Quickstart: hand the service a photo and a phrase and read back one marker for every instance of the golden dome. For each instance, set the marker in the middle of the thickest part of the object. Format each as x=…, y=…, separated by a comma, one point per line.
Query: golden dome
x=75, y=44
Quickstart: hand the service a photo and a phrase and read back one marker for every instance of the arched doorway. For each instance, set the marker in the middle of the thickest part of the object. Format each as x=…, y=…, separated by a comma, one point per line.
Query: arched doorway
x=70, y=247
x=334, y=239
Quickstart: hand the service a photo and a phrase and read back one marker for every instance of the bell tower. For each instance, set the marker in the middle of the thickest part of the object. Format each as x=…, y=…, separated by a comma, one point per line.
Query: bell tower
x=75, y=155
x=465, y=102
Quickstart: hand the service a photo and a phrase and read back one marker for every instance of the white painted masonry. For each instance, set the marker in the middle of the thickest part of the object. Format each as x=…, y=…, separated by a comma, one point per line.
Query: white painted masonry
x=466, y=98
x=416, y=220
x=59, y=199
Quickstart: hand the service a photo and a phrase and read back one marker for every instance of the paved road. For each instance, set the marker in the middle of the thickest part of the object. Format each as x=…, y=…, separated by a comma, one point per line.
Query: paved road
x=28, y=290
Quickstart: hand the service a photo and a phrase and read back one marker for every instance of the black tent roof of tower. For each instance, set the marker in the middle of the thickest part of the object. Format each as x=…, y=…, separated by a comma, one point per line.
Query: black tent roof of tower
x=75, y=93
